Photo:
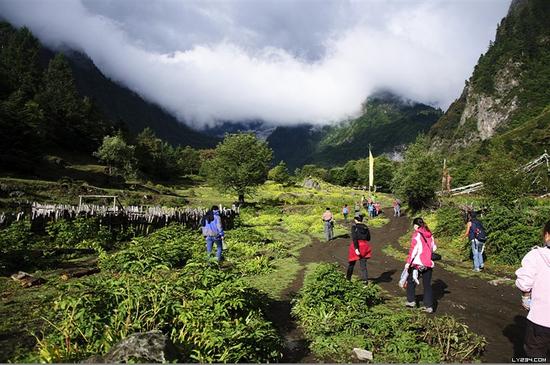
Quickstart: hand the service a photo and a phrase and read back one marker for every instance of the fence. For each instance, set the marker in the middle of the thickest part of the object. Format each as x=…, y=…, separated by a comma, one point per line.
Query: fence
x=142, y=219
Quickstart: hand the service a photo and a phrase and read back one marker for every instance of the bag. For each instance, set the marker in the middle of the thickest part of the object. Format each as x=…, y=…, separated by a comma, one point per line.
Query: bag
x=403, y=279
x=479, y=232
x=435, y=256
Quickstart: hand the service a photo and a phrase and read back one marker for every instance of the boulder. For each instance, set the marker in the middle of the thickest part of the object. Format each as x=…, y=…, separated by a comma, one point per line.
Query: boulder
x=142, y=347
x=311, y=184
x=362, y=355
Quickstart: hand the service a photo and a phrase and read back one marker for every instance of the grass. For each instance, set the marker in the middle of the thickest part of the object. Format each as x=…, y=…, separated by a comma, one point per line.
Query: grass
x=21, y=311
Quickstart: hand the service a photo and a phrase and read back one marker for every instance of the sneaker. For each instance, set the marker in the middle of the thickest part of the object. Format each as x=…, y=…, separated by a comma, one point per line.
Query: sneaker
x=410, y=304
x=428, y=310
x=476, y=270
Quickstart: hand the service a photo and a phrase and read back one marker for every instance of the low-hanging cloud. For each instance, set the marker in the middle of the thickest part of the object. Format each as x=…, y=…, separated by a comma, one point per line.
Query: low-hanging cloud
x=228, y=62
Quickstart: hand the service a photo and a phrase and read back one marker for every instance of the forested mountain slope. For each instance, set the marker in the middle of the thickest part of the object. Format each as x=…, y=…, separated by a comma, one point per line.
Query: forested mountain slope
x=387, y=123
x=507, y=97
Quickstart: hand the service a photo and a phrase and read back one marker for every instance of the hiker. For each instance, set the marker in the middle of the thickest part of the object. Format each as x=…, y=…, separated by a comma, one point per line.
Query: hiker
x=328, y=220
x=370, y=209
x=396, y=207
x=345, y=212
x=356, y=209
x=477, y=237
x=212, y=230
x=377, y=208
x=419, y=262
x=533, y=280
x=359, y=248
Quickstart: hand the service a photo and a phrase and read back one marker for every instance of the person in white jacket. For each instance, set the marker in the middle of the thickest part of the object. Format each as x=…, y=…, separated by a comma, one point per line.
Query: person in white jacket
x=533, y=279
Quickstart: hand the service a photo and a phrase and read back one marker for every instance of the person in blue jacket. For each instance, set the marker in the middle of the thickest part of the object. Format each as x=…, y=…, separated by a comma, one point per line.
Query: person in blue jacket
x=212, y=230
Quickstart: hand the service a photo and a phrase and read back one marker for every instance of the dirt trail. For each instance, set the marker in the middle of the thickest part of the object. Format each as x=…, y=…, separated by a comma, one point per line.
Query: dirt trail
x=492, y=311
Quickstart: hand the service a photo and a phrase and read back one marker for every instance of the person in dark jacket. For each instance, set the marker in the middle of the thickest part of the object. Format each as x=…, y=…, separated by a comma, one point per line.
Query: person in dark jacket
x=476, y=243
x=359, y=248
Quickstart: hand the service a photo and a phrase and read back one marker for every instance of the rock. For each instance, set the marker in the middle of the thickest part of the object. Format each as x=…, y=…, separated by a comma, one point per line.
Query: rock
x=500, y=281
x=149, y=347
x=27, y=280
x=362, y=355
x=311, y=184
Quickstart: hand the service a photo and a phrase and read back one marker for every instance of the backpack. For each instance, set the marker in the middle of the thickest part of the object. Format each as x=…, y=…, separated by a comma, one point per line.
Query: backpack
x=479, y=232
x=209, y=227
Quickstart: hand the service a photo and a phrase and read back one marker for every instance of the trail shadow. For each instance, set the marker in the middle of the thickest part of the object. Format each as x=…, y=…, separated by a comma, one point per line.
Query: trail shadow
x=439, y=289
x=385, y=277
x=515, y=332
x=296, y=347
x=345, y=235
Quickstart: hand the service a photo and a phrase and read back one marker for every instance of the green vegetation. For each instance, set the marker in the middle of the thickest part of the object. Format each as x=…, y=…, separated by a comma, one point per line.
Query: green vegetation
x=386, y=123
x=338, y=314
x=279, y=173
x=417, y=178
x=240, y=164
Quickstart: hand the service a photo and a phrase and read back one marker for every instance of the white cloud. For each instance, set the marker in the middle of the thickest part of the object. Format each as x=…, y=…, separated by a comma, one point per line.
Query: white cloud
x=231, y=63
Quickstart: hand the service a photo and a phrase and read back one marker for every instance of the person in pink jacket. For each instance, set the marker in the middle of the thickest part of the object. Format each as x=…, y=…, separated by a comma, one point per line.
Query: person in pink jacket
x=533, y=279
x=420, y=262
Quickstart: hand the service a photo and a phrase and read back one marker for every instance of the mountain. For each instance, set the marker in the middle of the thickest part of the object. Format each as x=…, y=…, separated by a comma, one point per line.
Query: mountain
x=507, y=98
x=123, y=105
x=387, y=123
x=258, y=127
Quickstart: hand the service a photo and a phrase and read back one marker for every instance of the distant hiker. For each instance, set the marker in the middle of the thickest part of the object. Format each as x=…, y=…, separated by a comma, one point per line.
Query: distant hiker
x=477, y=237
x=377, y=208
x=328, y=220
x=371, y=210
x=212, y=230
x=356, y=209
x=420, y=262
x=359, y=248
x=533, y=279
x=345, y=212
x=396, y=207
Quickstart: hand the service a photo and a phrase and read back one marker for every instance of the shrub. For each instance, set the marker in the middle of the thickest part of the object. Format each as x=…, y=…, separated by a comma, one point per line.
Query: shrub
x=450, y=221
x=337, y=314
x=211, y=316
x=510, y=233
x=16, y=236
x=169, y=247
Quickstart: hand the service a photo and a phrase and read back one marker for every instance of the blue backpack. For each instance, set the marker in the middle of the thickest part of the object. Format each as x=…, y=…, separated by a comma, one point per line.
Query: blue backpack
x=479, y=231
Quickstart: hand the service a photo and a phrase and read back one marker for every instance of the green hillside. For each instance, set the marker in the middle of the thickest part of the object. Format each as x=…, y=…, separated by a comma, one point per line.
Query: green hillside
x=507, y=94
x=387, y=123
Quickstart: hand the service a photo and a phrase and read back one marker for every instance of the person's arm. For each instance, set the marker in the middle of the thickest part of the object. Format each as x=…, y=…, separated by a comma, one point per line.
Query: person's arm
x=527, y=273
x=526, y=276
x=468, y=226
x=368, y=234
x=354, y=238
x=219, y=226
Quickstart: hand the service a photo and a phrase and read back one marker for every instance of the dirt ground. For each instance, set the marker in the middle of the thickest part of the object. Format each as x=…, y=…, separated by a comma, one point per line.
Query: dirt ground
x=492, y=311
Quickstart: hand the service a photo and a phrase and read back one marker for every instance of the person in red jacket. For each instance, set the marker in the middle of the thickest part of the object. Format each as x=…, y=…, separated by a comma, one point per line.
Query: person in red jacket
x=420, y=262
x=359, y=248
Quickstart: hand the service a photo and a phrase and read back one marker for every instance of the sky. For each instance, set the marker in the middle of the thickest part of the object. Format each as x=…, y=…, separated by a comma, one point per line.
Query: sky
x=281, y=61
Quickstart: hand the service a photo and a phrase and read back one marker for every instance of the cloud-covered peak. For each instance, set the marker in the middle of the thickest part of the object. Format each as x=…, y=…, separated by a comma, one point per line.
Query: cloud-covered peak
x=284, y=62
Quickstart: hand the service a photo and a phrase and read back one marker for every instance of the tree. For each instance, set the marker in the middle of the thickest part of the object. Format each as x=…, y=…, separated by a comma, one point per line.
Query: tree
x=349, y=174
x=417, y=178
x=117, y=154
x=155, y=156
x=241, y=163
x=279, y=173
x=188, y=160
x=313, y=171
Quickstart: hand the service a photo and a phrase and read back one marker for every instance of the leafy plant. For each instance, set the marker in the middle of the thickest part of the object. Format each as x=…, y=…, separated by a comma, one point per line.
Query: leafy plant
x=169, y=247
